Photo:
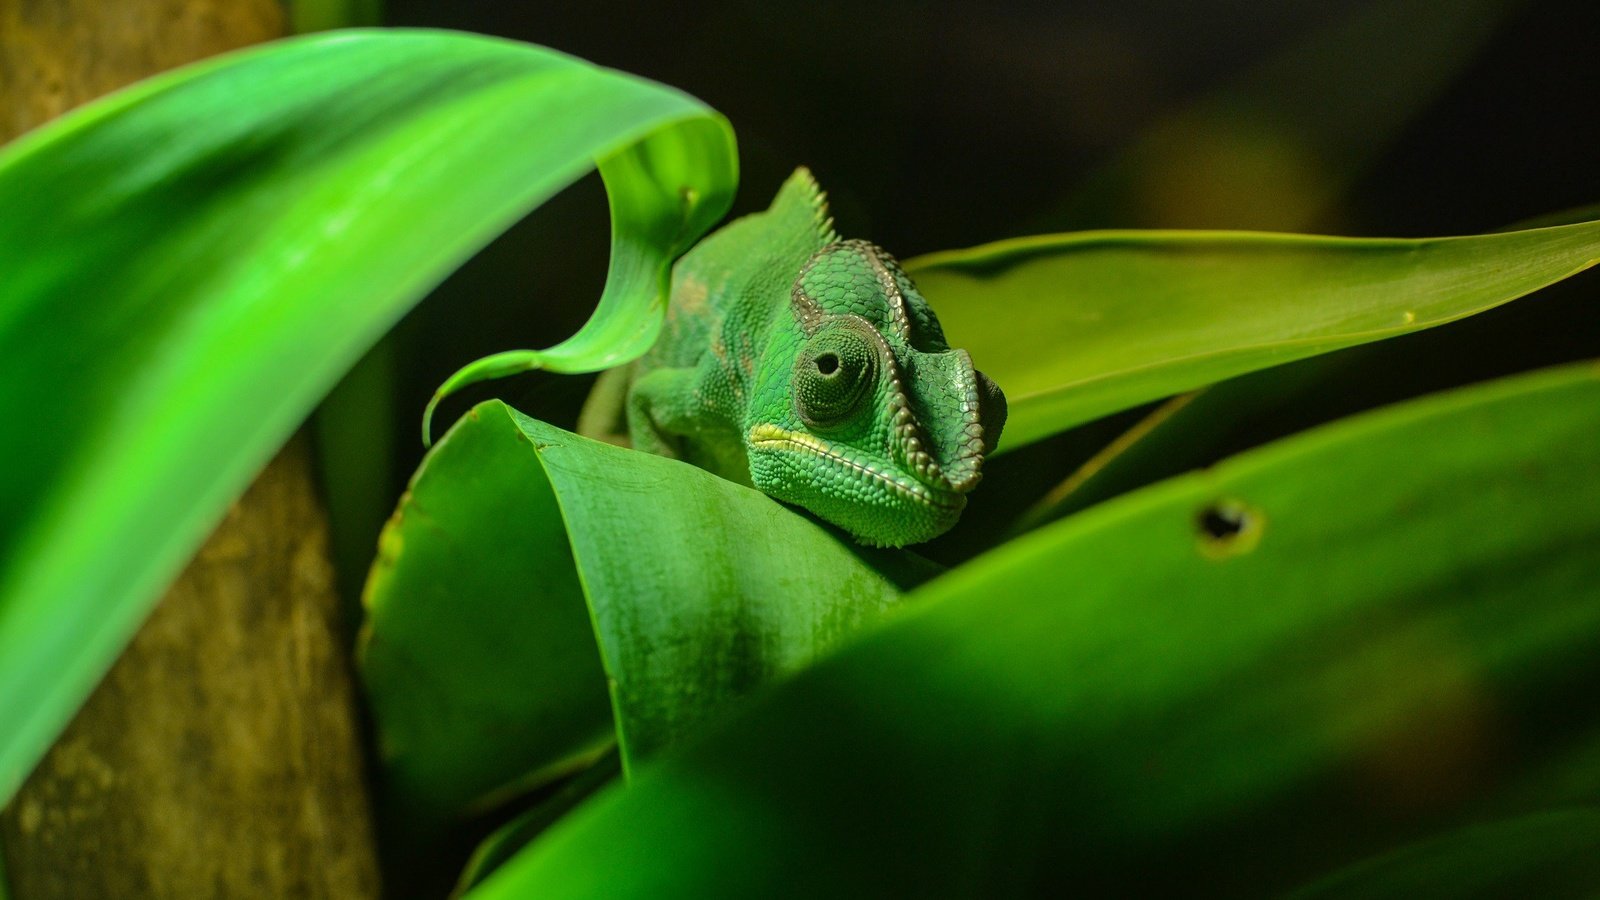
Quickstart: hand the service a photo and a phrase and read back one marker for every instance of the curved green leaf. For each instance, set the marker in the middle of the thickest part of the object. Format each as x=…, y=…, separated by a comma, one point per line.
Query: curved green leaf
x=190, y=263
x=1116, y=319
x=659, y=207
x=1137, y=701
x=480, y=653
x=1195, y=430
x=509, y=839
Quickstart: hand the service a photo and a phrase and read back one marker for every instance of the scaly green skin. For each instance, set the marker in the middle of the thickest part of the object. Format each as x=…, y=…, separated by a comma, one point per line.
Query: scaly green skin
x=810, y=368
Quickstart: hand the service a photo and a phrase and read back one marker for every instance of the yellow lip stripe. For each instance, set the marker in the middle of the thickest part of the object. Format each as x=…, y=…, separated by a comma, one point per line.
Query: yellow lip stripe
x=768, y=435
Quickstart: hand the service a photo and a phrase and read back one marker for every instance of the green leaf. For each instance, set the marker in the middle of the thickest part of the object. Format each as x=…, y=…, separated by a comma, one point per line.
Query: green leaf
x=1116, y=319
x=1198, y=429
x=521, y=548
x=478, y=653
x=510, y=838
x=1136, y=701
x=191, y=263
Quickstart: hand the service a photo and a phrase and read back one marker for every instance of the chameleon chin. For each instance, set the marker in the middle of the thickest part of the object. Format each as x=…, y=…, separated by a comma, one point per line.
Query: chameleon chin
x=811, y=368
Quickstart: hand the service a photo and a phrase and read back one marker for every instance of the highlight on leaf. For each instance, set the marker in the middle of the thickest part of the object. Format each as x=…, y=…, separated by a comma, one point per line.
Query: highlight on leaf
x=1271, y=631
x=170, y=321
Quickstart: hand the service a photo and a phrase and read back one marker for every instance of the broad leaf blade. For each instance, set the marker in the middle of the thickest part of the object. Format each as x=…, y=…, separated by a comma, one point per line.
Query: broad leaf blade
x=700, y=589
x=1119, y=702
x=483, y=671
x=189, y=264
x=1116, y=319
x=1199, y=429
x=478, y=653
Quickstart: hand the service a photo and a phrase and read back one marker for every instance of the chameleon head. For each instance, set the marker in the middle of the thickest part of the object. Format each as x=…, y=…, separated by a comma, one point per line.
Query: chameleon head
x=867, y=417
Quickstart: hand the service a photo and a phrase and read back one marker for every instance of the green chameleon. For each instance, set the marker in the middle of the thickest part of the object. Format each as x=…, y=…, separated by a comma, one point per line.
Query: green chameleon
x=810, y=368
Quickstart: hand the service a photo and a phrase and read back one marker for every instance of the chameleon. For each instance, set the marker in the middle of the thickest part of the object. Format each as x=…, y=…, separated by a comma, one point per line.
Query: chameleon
x=810, y=368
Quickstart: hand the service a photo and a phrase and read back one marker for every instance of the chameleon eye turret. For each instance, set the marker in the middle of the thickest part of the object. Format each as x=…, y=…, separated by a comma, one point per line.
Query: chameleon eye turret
x=811, y=368
x=890, y=425
x=835, y=371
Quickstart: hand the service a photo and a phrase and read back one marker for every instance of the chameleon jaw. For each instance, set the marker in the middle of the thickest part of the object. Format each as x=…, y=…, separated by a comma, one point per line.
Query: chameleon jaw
x=766, y=436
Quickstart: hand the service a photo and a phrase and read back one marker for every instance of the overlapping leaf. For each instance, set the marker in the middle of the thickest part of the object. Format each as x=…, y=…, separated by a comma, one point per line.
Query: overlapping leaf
x=189, y=264
x=1234, y=681
x=1195, y=430
x=1076, y=326
x=488, y=670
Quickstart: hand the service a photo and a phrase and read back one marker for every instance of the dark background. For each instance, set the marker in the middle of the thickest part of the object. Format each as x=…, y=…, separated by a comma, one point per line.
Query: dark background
x=940, y=125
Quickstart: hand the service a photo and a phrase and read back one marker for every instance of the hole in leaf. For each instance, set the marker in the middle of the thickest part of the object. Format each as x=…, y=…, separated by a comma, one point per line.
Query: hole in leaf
x=1227, y=528
x=828, y=363
x=1221, y=522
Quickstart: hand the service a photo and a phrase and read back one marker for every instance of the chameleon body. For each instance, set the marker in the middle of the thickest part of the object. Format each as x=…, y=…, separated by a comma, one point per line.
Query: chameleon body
x=810, y=368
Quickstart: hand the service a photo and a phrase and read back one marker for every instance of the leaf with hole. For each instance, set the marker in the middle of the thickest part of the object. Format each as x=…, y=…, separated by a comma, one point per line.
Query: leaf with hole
x=1109, y=704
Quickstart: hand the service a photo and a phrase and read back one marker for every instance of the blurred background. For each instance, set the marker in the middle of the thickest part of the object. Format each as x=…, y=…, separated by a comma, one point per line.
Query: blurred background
x=936, y=125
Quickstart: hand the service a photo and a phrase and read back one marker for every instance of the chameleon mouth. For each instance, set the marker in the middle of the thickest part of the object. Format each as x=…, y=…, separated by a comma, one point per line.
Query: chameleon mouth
x=771, y=437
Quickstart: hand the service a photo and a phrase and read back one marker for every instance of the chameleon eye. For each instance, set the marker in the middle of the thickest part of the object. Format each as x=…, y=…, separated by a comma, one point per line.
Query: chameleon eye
x=833, y=373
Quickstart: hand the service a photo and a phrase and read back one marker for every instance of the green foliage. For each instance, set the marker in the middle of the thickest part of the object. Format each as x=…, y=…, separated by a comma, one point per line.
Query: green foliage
x=1210, y=305
x=1352, y=662
x=1100, y=649
x=521, y=546
x=190, y=265
x=1125, y=698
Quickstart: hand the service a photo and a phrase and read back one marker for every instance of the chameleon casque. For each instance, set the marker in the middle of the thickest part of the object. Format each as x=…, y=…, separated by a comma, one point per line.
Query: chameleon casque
x=810, y=368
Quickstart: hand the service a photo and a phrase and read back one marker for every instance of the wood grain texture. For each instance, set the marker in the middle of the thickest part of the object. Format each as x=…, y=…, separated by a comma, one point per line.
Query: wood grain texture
x=57, y=54
x=221, y=756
